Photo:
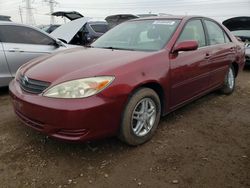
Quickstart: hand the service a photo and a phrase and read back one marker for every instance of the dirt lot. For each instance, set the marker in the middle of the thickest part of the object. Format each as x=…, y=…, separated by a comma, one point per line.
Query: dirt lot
x=204, y=144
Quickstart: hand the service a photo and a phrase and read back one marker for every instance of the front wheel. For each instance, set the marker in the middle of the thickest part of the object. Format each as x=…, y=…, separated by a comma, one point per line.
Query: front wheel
x=141, y=117
x=229, y=82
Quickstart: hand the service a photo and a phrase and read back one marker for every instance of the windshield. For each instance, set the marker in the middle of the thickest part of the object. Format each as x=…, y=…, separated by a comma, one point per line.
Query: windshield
x=141, y=35
x=99, y=28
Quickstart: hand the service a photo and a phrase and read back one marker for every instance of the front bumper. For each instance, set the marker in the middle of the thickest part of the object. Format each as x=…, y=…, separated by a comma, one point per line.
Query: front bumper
x=68, y=119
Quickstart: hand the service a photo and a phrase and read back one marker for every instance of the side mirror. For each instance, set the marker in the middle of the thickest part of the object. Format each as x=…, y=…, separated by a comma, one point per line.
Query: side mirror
x=238, y=38
x=187, y=45
x=58, y=43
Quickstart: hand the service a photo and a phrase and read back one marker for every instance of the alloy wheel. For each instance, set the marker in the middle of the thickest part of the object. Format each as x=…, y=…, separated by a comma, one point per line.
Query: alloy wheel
x=143, y=117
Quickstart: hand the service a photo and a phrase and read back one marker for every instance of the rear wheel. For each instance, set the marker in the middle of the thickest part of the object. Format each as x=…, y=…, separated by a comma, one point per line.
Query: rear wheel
x=229, y=82
x=141, y=117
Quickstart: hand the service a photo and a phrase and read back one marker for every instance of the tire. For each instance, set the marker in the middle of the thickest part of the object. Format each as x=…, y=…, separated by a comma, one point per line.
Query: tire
x=229, y=82
x=141, y=117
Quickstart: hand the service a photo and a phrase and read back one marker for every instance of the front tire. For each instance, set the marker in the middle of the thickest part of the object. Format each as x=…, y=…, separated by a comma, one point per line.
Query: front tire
x=141, y=117
x=229, y=82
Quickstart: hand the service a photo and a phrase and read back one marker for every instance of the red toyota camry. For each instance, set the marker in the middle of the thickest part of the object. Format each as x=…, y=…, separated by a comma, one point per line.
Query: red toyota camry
x=126, y=80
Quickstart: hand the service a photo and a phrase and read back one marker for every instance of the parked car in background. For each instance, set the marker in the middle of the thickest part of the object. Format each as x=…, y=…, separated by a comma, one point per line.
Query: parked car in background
x=81, y=31
x=240, y=27
x=71, y=15
x=49, y=28
x=21, y=43
x=114, y=20
x=127, y=79
x=5, y=18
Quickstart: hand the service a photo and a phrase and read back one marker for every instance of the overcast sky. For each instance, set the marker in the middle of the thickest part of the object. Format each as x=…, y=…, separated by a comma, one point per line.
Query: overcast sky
x=217, y=9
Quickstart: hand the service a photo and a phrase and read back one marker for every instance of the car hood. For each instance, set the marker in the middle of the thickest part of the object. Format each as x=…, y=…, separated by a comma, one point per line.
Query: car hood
x=80, y=62
x=67, y=31
x=237, y=23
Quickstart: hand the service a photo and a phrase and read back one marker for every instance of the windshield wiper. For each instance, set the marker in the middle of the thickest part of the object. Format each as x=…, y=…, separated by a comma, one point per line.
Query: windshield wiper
x=116, y=48
x=89, y=46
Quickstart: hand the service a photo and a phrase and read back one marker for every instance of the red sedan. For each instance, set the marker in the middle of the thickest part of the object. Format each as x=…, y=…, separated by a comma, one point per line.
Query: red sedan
x=126, y=80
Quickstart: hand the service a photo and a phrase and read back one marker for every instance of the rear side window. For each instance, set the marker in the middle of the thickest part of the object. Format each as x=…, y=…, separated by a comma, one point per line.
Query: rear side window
x=23, y=35
x=193, y=30
x=99, y=28
x=215, y=34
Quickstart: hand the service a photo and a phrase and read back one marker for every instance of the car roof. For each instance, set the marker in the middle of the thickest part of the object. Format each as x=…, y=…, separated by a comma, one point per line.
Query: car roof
x=179, y=17
x=13, y=23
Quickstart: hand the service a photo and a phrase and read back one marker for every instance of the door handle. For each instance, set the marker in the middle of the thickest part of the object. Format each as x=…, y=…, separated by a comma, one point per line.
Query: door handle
x=15, y=50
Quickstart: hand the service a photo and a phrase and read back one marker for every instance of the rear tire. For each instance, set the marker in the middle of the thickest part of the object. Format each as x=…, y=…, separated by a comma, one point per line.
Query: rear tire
x=229, y=82
x=141, y=117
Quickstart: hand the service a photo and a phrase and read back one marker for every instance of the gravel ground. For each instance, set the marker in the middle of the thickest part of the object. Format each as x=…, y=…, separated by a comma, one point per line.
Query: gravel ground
x=204, y=144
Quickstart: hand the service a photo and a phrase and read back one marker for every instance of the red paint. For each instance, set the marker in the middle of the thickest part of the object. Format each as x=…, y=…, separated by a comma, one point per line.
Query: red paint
x=185, y=46
x=182, y=76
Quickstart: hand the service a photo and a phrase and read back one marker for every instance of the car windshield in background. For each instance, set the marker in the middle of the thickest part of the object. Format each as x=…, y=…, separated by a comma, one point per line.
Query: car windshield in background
x=99, y=28
x=245, y=33
x=141, y=35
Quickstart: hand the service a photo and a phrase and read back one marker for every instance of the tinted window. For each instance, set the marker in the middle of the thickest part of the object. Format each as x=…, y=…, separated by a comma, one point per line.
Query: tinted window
x=194, y=31
x=215, y=33
x=100, y=28
x=25, y=35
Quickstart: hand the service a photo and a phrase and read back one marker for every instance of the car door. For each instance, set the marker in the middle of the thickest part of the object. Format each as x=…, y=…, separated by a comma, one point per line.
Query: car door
x=189, y=70
x=5, y=76
x=21, y=44
x=221, y=49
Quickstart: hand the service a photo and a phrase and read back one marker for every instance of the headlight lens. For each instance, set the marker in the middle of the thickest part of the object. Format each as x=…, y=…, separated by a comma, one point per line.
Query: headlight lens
x=79, y=88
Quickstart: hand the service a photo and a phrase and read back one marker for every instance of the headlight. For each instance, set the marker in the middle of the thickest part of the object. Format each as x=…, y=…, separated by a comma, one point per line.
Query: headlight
x=79, y=88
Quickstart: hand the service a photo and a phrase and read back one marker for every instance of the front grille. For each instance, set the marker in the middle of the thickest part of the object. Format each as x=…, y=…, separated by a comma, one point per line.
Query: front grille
x=32, y=86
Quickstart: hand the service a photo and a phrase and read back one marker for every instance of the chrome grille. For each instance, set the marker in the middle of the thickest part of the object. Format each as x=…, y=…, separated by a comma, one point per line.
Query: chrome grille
x=32, y=86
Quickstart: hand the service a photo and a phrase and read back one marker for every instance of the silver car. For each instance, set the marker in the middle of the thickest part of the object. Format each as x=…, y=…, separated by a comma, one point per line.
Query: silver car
x=21, y=43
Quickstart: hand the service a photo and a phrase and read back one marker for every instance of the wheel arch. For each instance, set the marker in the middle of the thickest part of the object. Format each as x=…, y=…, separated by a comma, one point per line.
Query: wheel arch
x=159, y=91
x=236, y=68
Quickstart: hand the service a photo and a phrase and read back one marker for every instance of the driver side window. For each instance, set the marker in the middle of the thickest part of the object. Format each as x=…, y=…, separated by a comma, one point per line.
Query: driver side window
x=193, y=30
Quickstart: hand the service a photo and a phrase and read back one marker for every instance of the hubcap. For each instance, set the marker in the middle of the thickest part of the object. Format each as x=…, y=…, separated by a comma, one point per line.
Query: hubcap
x=230, y=79
x=143, y=117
